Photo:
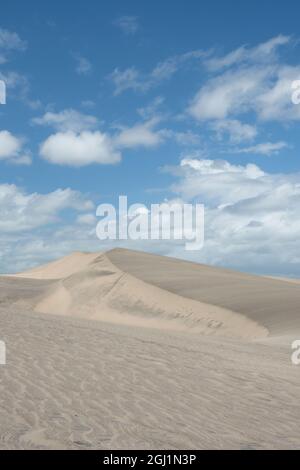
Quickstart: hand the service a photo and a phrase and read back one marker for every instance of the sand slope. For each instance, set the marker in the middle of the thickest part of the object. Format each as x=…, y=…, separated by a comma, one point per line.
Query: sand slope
x=100, y=290
x=132, y=287
x=274, y=304
x=76, y=384
x=60, y=268
x=139, y=351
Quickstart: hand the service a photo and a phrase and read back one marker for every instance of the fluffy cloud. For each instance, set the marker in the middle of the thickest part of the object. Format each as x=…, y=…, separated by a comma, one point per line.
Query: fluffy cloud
x=11, y=149
x=253, y=80
x=250, y=215
x=79, y=143
x=79, y=149
x=33, y=227
x=21, y=212
x=232, y=93
x=275, y=104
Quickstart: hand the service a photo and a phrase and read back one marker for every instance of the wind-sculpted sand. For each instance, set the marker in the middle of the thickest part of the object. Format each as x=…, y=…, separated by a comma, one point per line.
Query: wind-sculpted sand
x=128, y=350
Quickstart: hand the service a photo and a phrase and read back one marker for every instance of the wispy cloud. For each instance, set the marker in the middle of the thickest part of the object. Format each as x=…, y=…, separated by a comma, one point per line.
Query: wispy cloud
x=132, y=78
x=266, y=51
x=140, y=135
x=236, y=130
x=9, y=42
x=127, y=24
x=265, y=148
x=254, y=80
x=84, y=66
x=67, y=120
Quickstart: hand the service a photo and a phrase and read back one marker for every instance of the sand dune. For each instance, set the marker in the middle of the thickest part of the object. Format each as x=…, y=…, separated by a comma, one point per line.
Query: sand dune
x=130, y=350
x=271, y=303
x=144, y=289
x=61, y=268
x=102, y=291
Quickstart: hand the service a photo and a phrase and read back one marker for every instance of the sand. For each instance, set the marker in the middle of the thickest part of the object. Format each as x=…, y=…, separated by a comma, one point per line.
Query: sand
x=124, y=350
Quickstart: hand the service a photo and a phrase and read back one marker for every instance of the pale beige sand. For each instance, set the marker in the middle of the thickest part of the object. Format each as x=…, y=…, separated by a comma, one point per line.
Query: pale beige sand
x=102, y=291
x=273, y=303
x=155, y=370
x=60, y=268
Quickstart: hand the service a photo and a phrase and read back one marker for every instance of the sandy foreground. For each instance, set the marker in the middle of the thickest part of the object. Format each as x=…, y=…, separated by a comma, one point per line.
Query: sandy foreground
x=127, y=350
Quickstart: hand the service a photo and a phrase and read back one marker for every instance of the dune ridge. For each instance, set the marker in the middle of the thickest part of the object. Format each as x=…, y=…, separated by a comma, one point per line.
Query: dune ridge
x=142, y=289
x=58, y=269
x=271, y=303
x=101, y=291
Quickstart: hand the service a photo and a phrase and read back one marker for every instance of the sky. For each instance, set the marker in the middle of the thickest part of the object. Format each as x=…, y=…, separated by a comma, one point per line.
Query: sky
x=160, y=101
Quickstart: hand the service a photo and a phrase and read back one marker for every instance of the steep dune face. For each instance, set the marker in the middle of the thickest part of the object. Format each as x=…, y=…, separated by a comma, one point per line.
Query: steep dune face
x=140, y=289
x=274, y=304
x=101, y=291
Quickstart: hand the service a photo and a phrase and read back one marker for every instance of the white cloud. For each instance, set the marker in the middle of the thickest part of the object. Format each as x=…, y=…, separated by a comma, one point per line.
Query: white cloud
x=33, y=227
x=265, y=148
x=79, y=149
x=184, y=138
x=236, y=130
x=150, y=111
x=139, y=135
x=11, y=149
x=232, y=93
x=9, y=145
x=131, y=78
x=17, y=84
x=261, y=53
x=84, y=66
x=20, y=211
x=127, y=79
x=88, y=103
x=255, y=80
x=10, y=41
x=252, y=218
x=127, y=24
x=78, y=142
x=19, y=88
x=275, y=104
x=217, y=181
x=87, y=219
x=67, y=120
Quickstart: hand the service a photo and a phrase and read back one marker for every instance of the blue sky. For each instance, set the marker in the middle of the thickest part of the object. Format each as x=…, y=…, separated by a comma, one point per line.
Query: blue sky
x=159, y=101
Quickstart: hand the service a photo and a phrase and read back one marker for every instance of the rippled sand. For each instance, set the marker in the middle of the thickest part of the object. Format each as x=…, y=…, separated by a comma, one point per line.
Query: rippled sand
x=103, y=353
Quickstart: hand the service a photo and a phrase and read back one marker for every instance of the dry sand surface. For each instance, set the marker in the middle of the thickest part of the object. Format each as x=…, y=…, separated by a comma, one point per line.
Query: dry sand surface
x=127, y=350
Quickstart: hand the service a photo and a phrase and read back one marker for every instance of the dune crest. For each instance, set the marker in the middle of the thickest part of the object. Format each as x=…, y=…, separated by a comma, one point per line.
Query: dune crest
x=141, y=289
x=101, y=291
x=60, y=268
